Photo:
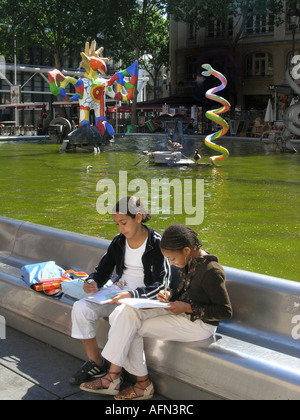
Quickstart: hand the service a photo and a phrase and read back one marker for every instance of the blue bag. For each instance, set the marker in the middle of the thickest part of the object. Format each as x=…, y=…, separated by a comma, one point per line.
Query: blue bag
x=31, y=274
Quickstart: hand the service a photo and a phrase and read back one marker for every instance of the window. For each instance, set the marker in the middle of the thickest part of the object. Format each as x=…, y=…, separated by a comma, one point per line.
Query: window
x=259, y=24
x=191, y=33
x=191, y=68
x=216, y=28
x=259, y=64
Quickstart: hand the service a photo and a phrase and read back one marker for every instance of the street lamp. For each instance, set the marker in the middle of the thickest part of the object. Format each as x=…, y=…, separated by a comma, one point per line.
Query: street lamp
x=293, y=15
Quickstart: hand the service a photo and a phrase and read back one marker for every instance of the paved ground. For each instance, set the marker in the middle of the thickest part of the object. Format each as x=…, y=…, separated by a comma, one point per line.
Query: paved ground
x=31, y=370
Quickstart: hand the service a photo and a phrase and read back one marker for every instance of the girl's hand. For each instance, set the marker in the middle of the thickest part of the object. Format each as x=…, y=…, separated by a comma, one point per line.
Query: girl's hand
x=116, y=298
x=90, y=286
x=178, y=308
x=162, y=297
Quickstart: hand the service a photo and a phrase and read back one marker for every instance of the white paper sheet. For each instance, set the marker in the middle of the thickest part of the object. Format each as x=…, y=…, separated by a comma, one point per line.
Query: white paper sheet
x=144, y=303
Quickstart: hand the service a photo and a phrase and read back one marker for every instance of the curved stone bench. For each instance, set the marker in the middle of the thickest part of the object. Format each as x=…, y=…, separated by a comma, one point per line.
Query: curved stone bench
x=255, y=355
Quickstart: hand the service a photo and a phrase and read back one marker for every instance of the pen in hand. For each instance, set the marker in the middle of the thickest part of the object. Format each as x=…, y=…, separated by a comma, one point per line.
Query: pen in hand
x=164, y=296
x=90, y=286
x=166, y=285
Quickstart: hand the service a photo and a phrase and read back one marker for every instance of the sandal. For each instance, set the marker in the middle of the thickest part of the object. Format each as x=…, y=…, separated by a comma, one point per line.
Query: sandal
x=97, y=387
x=130, y=393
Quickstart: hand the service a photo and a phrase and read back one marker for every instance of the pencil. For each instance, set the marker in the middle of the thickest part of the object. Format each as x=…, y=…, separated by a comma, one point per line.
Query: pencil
x=166, y=285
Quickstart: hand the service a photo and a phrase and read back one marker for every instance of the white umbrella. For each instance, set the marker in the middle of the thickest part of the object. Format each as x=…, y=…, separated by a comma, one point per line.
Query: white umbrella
x=269, y=116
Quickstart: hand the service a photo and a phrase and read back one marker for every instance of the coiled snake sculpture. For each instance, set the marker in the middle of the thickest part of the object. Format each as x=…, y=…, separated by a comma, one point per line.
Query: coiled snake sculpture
x=214, y=116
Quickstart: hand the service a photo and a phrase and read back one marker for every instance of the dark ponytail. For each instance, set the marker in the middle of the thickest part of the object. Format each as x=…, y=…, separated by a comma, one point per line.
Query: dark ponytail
x=130, y=206
x=177, y=237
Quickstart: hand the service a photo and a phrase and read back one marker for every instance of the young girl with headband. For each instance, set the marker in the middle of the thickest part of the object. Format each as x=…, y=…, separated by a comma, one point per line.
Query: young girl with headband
x=197, y=306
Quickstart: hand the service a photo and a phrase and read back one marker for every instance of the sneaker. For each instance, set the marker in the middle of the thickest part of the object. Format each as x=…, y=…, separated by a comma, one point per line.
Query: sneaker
x=89, y=370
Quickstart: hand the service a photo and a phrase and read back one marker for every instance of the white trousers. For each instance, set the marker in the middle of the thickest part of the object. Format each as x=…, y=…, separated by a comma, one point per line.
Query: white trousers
x=125, y=346
x=84, y=316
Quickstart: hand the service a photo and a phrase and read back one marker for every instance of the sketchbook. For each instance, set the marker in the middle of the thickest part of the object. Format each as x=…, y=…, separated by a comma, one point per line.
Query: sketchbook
x=144, y=303
x=104, y=295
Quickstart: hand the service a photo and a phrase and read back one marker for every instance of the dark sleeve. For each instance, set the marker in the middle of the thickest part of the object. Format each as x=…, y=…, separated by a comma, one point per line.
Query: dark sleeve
x=105, y=268
x=214, y=287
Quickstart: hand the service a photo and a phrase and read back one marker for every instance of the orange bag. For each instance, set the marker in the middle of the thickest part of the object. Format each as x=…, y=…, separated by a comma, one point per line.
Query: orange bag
x=52, y=287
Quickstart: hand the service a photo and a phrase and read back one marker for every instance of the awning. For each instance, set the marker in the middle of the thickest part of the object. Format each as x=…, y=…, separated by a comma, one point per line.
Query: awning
x=120, y=109
x=172, y=101
x=65, y=104
x=25, y=106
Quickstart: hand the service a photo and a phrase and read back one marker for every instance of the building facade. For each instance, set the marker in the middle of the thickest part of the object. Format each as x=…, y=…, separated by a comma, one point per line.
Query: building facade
x=255, y=68
x=24, y=88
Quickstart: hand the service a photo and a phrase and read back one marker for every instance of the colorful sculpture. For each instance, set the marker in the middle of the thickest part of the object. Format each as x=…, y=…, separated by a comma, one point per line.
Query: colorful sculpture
x=214, y=115
x=90, y=91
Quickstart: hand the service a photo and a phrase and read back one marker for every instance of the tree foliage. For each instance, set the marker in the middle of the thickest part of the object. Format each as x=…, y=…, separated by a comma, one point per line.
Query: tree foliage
x=199, y=12
x=144, y=37
x=156, y=52
x=133, y=30
x=61, y=26
x=54, y=25
x=134, y=26
x=128, y=29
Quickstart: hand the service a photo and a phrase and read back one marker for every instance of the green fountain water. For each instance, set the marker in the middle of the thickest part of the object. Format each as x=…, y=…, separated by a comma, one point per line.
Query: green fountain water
x=251, y=203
